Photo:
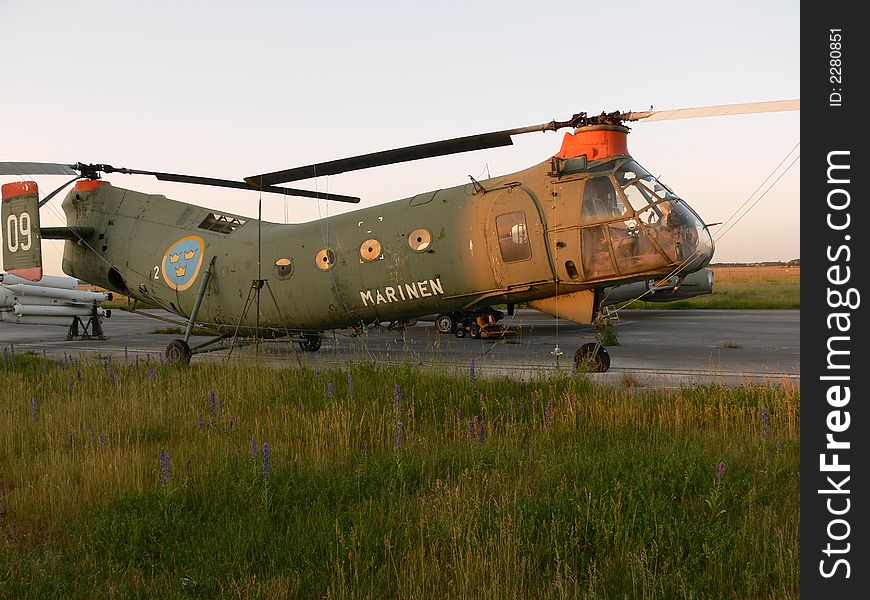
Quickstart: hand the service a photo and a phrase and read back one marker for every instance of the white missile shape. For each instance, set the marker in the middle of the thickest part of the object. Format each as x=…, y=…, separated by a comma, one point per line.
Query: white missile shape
x=80, y=310
x=10, y=317
x=51, y=281
x=26, y=290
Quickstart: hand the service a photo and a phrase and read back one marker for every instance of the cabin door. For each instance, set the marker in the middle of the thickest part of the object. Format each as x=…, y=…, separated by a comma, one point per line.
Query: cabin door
x=516, y=240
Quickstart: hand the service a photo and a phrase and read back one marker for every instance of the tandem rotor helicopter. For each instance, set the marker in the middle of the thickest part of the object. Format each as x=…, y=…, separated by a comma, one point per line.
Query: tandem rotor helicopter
x=556, y=236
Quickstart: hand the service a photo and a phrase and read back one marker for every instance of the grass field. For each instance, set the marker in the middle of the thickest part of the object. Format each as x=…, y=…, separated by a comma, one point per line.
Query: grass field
x=745, y=287
x=151, y=481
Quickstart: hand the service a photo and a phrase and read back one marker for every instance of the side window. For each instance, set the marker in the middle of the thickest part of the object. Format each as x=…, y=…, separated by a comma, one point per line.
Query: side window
x=600, y=200
x=513, y=236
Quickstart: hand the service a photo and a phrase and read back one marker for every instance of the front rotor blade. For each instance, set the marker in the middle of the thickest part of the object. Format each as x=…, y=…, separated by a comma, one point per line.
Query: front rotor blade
x=714, y=111
x=35, y=168
x=386, y=157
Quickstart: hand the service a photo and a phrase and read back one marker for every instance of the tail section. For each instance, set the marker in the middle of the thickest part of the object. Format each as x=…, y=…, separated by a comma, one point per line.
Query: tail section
x=22, y=247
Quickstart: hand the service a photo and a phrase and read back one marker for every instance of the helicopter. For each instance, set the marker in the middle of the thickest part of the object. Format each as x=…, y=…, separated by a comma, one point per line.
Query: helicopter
x=556, y=237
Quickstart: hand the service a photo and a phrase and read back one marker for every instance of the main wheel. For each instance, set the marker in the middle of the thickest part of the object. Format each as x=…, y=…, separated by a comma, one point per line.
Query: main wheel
x=588, y=357
x=445, y=324
x=178, y=351
x=310, y=343
x=474, y=331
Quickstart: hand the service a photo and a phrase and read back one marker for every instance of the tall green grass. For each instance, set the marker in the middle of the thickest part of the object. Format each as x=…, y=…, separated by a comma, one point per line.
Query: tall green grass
x=388, y=482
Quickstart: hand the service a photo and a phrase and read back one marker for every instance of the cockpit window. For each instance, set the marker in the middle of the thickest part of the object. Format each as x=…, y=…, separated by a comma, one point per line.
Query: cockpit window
x=600, y=200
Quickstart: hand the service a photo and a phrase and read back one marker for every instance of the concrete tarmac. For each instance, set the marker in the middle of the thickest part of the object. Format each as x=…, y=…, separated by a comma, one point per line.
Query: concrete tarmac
x=657, y=348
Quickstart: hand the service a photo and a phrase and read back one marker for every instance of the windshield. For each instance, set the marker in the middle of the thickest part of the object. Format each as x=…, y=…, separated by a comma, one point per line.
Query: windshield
x=648, y=226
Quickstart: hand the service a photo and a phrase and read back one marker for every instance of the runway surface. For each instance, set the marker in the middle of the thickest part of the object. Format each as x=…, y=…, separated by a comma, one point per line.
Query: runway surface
x=657, y=348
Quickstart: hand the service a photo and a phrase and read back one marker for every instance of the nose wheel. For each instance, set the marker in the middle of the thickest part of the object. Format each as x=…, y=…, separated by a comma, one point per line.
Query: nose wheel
x=592, y=357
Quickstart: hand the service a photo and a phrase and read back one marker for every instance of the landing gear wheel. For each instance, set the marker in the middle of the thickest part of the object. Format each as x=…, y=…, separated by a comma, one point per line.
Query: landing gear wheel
x=474, y=331
x=178, y=351
x=588, y=357
x=460, y=331
x=310, y=343
x=445, y=324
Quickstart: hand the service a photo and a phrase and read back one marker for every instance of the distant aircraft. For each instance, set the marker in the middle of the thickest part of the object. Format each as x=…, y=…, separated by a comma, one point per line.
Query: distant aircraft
x=53, y=300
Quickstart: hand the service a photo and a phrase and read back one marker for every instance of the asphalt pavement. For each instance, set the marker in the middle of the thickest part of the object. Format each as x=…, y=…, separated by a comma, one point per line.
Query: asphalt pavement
x=658, y=348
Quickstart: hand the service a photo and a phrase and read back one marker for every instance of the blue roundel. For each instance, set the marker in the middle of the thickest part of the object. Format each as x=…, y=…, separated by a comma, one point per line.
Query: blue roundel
x=182, y=261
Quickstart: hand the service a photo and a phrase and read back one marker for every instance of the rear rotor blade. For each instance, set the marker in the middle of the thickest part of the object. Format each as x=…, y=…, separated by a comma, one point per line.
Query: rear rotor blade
x=714, y=111
x=35, y=168
x=241, y=185
x=93, y=170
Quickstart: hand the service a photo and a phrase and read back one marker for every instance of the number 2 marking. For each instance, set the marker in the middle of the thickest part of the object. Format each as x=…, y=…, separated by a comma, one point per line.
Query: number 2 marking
x=156, y=272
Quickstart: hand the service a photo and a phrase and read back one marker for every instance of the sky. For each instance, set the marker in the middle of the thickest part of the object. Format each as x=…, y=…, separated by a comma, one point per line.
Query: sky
x=231, y=89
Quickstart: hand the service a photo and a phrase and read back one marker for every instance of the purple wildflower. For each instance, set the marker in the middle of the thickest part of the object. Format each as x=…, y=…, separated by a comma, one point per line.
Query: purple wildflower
x=232, y=423
x=765, y=423
x=101, y=440
x=400, y=433
x=165, y=468
x=212, y=407
x=267, y=459
x=481, y=431
x=34, y=408
x=397, y=398
x=200, y=422
x=534, y=397
x=458, y=416
x=78, y=374
x=720, y=473
x=471, y=372
x=548, y=414
x=522, y=409
x=330, y=390
x=12, y=353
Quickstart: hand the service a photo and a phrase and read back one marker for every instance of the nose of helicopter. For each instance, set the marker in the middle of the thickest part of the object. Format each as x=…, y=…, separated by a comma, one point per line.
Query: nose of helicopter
x=697, y=245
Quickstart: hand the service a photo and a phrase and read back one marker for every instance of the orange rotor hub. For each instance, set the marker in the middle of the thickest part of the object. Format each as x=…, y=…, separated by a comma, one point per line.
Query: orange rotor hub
x=596, y=142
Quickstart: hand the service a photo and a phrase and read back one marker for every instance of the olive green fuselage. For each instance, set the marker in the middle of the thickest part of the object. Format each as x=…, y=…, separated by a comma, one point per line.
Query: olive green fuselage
x=354, y=268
